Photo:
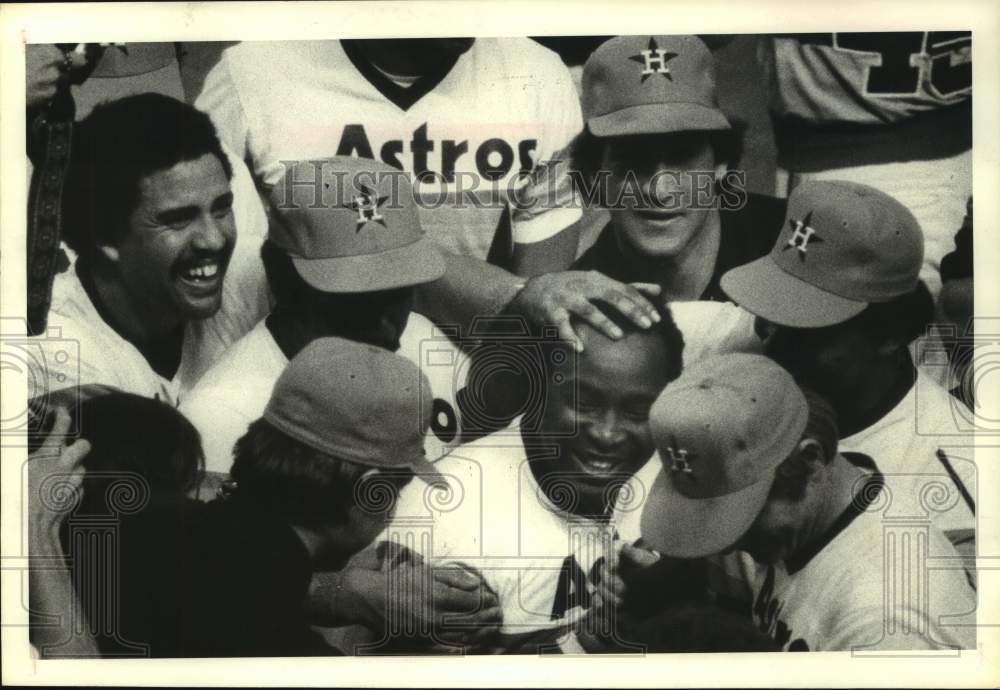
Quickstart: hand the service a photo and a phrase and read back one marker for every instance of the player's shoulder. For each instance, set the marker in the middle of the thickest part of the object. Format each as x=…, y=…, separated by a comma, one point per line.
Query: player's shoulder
x=245, y=366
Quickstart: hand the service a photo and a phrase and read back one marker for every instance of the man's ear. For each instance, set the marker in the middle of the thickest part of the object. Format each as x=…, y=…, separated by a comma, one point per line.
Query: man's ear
x=810, y=457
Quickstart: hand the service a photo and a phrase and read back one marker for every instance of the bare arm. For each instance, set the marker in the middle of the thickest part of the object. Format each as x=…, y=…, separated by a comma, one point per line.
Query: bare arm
x=50, y=587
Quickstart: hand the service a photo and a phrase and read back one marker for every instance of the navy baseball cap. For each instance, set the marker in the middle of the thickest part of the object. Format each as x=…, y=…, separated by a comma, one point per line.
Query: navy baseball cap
x=651, y=85
x=720, y=430
x=843, y=246
x=351, y=225
x=355, y=402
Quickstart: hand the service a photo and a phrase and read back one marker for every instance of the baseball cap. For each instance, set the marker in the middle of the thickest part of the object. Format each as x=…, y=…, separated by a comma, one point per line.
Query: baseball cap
x=355, y=402
x=650, y=85
x=720, y=431
x=843, y=246
x=351, y=225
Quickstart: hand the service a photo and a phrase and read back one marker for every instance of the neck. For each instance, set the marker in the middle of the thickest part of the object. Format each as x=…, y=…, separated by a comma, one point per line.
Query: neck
x=290, y=333
x=387, y=56
x=136, y=322
x=840, y=486
x=881, y=391
x=683, y=276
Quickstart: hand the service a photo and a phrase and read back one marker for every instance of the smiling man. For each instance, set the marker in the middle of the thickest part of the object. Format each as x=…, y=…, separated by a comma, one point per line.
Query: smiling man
x=149, y=213
x=527, y=507
x=653, y=154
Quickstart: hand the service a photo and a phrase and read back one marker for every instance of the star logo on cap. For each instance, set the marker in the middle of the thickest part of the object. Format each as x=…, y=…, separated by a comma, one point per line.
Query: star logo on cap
x=654, y=61
x=366, y=205
x=680, y=458
x=802, y=234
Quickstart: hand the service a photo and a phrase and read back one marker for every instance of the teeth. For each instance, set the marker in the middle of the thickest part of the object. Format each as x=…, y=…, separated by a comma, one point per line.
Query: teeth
x=206, y=271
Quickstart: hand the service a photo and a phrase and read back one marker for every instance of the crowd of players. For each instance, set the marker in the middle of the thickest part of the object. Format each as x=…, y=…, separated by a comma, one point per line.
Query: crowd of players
x=562, y=386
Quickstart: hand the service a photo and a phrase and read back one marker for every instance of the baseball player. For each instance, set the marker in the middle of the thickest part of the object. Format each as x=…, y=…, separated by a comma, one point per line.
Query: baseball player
x=344, y=265
x=890, y=110
x=466, y=122
x=839, y=299
x=745, y=460
x=654, y=155
x=527, y=507
x=469, y=119
x=161, y=286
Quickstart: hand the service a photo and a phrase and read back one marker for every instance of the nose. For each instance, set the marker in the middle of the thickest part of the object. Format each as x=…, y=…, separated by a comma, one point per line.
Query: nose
x=605, y=431
x=664, y=186
x=213, y=234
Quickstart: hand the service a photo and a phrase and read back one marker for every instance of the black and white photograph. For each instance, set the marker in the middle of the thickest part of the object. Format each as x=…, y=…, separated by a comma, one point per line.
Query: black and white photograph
x=343, y=341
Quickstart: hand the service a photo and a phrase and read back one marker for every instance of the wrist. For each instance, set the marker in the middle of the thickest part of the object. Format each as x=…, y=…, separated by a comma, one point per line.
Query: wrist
x=361, y=597
x=514, y=291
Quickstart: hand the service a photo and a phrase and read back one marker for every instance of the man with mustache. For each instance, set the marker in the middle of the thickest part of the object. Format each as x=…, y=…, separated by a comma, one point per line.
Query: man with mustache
x=149, y=213
x=527, y=507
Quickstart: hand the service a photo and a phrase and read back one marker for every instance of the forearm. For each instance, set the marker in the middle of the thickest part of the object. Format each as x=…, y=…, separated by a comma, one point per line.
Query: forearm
x=353, y=596
x=51, y=596
x=470, y=288
x=555, y=253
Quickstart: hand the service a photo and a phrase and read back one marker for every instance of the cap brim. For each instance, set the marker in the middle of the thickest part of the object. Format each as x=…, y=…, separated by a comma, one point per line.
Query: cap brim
x=763, y=289
x=426, y=471
x=416, y=263
x=683, y=527
x=658, y=118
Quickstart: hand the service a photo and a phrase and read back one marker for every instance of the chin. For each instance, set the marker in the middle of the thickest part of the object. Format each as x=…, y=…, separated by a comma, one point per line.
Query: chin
x=200, y=310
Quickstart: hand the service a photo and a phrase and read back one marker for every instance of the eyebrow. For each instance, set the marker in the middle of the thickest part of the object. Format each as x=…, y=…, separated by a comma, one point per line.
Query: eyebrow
x=182, y=213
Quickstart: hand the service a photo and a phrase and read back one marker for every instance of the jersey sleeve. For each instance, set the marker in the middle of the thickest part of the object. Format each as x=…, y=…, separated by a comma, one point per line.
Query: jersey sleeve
x=711, y=328
x=219, y=432
x=248, y=209
x=546, y=203
x=220, y=98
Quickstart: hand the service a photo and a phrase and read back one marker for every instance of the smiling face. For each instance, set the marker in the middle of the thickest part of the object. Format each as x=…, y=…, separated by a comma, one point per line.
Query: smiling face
x=606, y=398
x=180, y=237
x=658, y=167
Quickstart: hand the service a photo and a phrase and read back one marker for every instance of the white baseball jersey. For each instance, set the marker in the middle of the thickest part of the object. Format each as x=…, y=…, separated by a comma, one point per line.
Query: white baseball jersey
x=235, y=391
x=919, y=449
x=94, y=353
x=504, y=107
x=538, y=559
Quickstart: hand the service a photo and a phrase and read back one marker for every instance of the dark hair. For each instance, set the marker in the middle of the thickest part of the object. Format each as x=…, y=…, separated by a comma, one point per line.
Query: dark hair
x=142, y=451
x=277, y=475
x=792, y=476
x=586, y=153
x=903, y=319
x=503, y=378
x=114, y=148
x=667, y=329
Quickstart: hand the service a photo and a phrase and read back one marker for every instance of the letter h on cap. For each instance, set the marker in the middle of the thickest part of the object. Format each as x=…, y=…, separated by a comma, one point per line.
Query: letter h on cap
x=680, y=458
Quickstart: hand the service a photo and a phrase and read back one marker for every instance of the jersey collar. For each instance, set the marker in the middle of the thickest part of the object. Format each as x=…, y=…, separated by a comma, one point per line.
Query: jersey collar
x=402, y=96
